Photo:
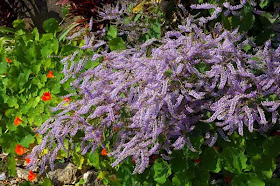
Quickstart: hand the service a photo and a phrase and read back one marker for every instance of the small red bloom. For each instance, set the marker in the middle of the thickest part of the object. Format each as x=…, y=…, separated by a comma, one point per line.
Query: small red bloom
x=36, y=135
x=50, y=74
x=8, y=60
x=46, y=96
x=227, y=179
x=67, y=99
x=6, y=74
x=20, y=150
x=104, y=152
x=17, y=121
x=27, y=160
x=132, y=159
x=153, y=158
x=197, y=160
x=31, y=176
x=115, y=129
x=217, y=148
x=277, y=133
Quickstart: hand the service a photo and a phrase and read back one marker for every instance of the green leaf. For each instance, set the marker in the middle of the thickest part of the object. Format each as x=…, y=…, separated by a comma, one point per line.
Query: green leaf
x=117, y=44
x=210, y=160
x=271, y=146
x=247, y=179
x=264, y=166
x=3, y=68
x=18, y=24
x=233, y=160
x=12, y=165
x=12, y=102
x=27, y=140
x=247, y=22
x=161, y=171
x=51, y=25
x=264, y=3
x=47, y=182
x=26, y=183
x=112, y=32
x=36, y=34
x=78, y=160
x=137, y=17
x=93, y=159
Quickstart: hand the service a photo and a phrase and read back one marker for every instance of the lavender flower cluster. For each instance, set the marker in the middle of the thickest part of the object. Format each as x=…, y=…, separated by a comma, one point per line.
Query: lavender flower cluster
x=156, y=98
x=229, y=9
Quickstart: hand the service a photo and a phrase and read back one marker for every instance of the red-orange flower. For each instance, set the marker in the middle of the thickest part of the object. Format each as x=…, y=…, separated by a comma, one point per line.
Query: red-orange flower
x=31, y=176
x=17, y=121
x=67, y=99
x=8, y=60
x=132, y=159
x=197, y=160
x=46, y=96
x=50, y=74
x=27, y=160
x=36, y=135
x=115, y=129
x=227, y=179
x=104, y=152
x=20, y=150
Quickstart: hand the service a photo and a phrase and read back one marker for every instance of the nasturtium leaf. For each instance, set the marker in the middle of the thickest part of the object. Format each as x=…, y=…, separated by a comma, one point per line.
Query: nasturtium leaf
x=93, y=160
x=271, y=146
x=78, y=160
x=27, y=140
x=47, y=182
x=18, y=24
x=264, y=166
x=233, y=160
x=247, y=179
x=247, y=22
x=117, y=44
x=51, y=25
x=210, y=160
x=161, y=171
x=203, y=175
x=26, y=183
x=180, y=179
x=3, y=68
x=12, y=165
x=112, y=32
x=12, y=102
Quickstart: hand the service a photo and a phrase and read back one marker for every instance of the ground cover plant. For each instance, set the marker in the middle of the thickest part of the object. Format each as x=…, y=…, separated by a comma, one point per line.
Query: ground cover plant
x=191, y=100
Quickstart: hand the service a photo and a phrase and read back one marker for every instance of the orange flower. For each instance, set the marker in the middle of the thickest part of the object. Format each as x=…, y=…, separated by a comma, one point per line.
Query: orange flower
x=104, y=152
x=46, y=96
x=8, y=60
x=67, y=99
x=115, y=129
x=31, y=176
x=36, y=135
x=50, y=74
x=20, y=150
x=27, y=160
x=17, y=121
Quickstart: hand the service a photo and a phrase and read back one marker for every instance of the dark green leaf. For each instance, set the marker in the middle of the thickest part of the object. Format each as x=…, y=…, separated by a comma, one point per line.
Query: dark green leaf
x=51, y=25
x=233, y=160
x=117, y=44
x=247, y=180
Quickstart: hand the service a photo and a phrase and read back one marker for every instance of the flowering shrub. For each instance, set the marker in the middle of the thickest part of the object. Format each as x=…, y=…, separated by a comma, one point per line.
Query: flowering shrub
x=172, y=106
x=158, y=98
